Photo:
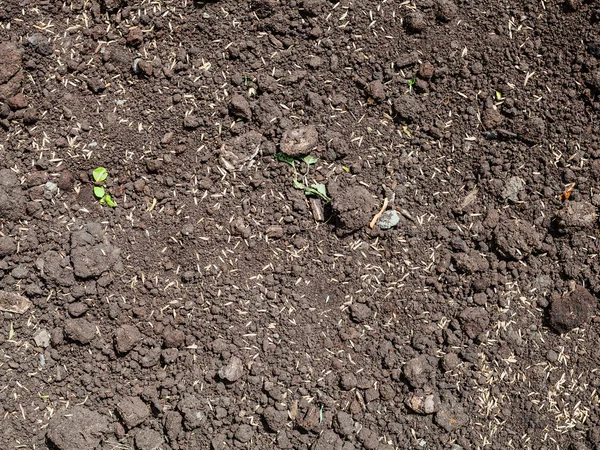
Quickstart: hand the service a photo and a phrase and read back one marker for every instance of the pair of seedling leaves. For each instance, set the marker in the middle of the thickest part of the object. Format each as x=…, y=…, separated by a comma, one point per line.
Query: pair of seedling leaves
x=100, y=174
x=316, y=189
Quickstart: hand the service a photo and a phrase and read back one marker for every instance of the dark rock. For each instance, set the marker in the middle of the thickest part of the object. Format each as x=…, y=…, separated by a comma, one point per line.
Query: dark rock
x=348, y=381
x=77, y=428
x=240, y=107
x=135, y=37
x=96, y=85
x=299, y=141
x=415, y=22
x=275, y=419
x=233, y=371
x=420, y=370
x=445, y=10
x=474, y=321
x=376, y=89
x=191, y=408
x=360, y=312
x=80, y=330
x=7, y=246
x=173, y=338
x=573, y=215
x=408, y=107
x=573, y=310
x=148, y=439
x=40, y=44
x=133, y=411
x=343, y=424
x=451, y=417
x=191, y=122
x=126, y=338
x=491, y=118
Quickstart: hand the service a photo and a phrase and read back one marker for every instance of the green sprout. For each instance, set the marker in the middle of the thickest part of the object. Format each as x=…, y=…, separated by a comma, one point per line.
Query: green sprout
x=412, y=81
x=100, y=174
x=314, y=189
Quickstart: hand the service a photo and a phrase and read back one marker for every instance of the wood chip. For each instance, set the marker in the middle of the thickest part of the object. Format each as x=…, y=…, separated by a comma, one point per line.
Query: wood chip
x=13, y=303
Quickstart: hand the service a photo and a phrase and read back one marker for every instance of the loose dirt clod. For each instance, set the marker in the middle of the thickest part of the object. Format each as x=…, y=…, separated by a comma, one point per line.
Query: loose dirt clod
x=573, y=310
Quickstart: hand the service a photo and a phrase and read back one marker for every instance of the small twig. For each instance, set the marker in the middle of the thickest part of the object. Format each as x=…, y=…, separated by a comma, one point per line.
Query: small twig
x=378, y=215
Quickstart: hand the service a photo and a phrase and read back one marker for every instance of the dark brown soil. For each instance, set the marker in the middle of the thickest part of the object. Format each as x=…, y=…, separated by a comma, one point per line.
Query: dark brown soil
x=218, y=305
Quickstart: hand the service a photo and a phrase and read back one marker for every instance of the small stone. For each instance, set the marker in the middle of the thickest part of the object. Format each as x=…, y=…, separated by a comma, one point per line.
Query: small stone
x=13, y=302
x=17, y=101
x=173, y=338
x=126, y=338
x=474, y=321
x=415, y=22
x=491, y=118
x=445, y=10
x=145, y=68
x=388, y=219
x=20, y=272
x=275, y=231
x=51, y=187
x=360, y=312
x=451, y=418
x=77, y=309
x=426, y=70
x=148, y=439
x=133, y=411
x=7, y=246
x=348, y=381
x=299, y=141
x=80, y=330
x=315, y=62
x=96, y=85
x=191, y=122
x=423, y=403
x=244, y=433
x=275, y=419
x=42, y=338
x=135, y=37
x=407, y=107
x=418, y=371
x=40, y=44
x=512, y=189
x=240, y=107
x=572, y=311
x=343, y=424
x=577, y=215
x=233, y=371
x=377, y=90
x=167, y=138
x=77, y=428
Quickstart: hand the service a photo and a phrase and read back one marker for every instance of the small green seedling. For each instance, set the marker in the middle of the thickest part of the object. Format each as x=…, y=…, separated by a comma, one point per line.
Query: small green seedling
x=100, y=174
x=315, y=189
x=412, y=81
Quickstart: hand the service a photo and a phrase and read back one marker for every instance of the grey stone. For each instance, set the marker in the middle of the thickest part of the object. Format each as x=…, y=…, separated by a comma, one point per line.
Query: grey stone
x=388, y=219
x=233, y=371
x=42, y=338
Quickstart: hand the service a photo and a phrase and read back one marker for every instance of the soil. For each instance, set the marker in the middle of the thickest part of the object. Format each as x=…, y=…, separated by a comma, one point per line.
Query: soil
x=225, y=302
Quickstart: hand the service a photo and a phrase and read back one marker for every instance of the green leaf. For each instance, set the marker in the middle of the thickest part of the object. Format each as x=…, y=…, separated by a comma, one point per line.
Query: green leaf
x=498, y=95
x=99, y=191
x=109, y=201
x=412, y=81
x=100, y=174
x=286, y=159
x=346, y=169
x=320, y=187
x=319, y=190
x=309, y=160
x=298, y=184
